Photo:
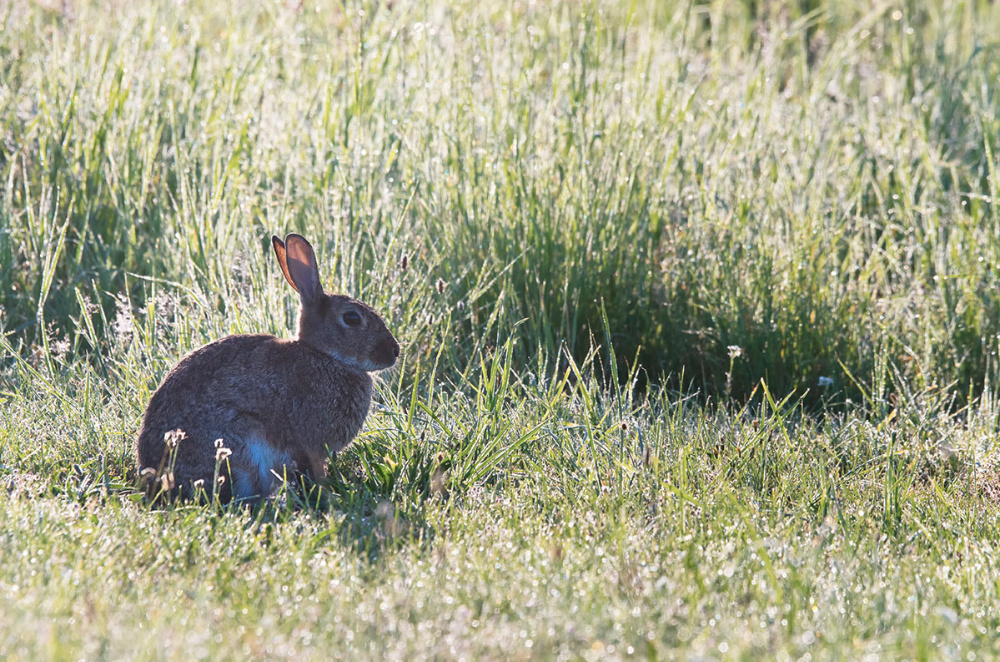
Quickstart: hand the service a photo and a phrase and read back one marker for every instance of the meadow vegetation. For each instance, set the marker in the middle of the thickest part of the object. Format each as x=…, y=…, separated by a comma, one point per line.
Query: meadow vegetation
x=699, y=305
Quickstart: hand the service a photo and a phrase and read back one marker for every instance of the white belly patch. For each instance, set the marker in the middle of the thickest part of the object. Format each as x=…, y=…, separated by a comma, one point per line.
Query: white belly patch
x=267, y=466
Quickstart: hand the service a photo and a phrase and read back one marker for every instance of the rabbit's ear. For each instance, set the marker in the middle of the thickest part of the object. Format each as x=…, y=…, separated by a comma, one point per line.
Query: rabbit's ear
x=279, y=252
x=298, y=261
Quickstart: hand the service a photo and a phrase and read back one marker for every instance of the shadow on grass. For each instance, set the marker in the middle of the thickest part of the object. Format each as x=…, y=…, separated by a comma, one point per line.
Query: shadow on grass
x=371, y=512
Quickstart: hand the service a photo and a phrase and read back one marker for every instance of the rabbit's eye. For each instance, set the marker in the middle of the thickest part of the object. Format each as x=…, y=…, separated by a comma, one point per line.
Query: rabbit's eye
x=352, y=318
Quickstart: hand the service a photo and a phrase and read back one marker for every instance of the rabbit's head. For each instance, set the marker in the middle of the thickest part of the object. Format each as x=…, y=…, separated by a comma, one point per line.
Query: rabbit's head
x=337, y=325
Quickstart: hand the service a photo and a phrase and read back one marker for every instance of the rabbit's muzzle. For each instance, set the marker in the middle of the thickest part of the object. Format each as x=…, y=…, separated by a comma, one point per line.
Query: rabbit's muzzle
x=385, y=354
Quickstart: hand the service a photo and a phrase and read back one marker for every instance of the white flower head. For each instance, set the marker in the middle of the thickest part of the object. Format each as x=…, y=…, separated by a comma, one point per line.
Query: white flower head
x=735, y=351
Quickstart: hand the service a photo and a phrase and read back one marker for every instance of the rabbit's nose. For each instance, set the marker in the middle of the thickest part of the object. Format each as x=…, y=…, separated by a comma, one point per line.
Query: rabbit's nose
x=395, y=351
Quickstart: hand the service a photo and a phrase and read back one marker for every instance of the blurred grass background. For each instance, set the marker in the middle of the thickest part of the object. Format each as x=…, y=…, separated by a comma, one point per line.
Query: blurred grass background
x=811, y=182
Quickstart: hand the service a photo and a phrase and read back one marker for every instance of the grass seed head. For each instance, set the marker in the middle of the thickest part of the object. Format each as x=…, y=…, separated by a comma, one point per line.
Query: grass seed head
x=439, y=483
x=174, y=437
x=123, y=326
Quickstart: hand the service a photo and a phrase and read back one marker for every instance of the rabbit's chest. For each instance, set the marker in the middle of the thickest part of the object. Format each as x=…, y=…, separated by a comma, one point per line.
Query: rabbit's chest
x=318, y=423
x=342, y=421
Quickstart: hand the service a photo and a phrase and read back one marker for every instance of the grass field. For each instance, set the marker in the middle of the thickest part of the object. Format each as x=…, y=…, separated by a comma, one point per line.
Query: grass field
x=699, y=305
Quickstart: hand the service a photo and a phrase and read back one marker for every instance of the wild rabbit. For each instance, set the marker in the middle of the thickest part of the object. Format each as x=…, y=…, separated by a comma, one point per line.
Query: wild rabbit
x=280, y=407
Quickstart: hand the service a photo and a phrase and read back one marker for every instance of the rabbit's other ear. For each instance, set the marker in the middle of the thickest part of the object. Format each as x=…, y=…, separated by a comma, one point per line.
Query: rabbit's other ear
x=300, y=267
x=279, y=252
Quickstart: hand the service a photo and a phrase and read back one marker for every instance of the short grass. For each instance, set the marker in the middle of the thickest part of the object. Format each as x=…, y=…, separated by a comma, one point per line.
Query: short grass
x=700, y=307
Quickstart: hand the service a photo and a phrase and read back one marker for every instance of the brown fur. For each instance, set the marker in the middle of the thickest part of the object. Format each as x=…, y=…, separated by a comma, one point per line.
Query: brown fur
x=281, y=406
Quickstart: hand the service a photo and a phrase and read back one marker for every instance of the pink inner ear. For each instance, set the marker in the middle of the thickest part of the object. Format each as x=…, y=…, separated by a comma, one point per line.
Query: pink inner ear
x=302, y=268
